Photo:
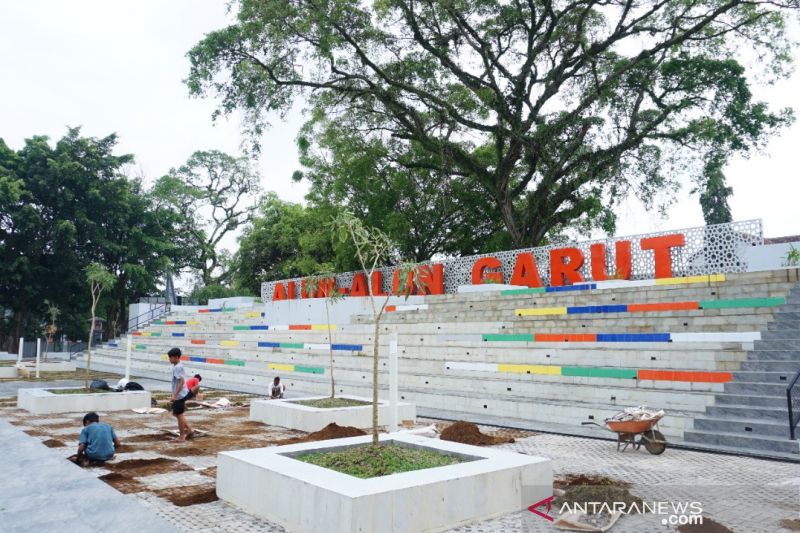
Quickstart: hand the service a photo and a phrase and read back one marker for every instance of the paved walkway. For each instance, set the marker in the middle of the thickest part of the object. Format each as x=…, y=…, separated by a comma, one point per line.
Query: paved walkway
x=42, y=492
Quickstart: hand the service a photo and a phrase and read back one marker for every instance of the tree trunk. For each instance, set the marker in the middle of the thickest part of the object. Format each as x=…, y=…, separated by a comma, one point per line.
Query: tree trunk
x=375, y=355
x=89, y=346
x=330, y=348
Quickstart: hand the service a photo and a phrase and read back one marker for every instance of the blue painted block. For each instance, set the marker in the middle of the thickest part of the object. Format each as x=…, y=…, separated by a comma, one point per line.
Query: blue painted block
x=263, y=344
x=113, y=344
x=348, y=347
x=614, y=309
x=180, y=322
x=215, y=310
x=259, y=327
x=178, y=334
x=197, y=359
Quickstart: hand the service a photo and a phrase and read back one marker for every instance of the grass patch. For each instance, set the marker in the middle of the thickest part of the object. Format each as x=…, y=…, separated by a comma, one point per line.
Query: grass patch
x=330, y=403
x=76, y=391
x=382, y=460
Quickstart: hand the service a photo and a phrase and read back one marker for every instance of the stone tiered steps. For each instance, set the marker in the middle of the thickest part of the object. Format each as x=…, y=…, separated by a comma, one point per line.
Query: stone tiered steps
x=751, y=413
x=544, y=402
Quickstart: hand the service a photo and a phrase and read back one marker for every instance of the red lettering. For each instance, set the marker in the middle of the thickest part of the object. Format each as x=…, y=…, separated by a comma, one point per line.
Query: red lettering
x=481, y=265
x=661, y=251
x=525, y=271
x=622, y=259
x=431, y=279
x=376, y=280
x=292, y=292
x=279, y=292
x=561, y=270
x=359, y=285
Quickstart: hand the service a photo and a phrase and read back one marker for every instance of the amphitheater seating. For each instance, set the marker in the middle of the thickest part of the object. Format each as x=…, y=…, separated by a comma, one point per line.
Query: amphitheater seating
x=714, y=351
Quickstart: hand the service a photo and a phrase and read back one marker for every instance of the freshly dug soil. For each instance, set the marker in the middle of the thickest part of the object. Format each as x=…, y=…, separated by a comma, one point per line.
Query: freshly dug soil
x=792, y=524
x=468, y=433
x=150, y=437
x=122, y=483
x=331, y=431
x=53, y=443
x=708, y=526
x=36, y=432
x=191, y=495
x=577, y=480
x=583, y=488
x=147, y=467
x=184, y=451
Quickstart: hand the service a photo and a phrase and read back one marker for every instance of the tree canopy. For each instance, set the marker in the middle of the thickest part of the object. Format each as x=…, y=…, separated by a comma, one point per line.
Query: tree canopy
x=553, y=110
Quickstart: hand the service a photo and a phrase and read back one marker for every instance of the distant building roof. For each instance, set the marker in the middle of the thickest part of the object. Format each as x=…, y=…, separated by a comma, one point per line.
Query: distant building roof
x=782, y=240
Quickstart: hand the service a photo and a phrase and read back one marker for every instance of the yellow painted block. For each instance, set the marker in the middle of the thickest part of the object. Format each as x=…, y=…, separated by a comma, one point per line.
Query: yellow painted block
x=192, y=322
x=164, y=357
x=687, y=279
x=534, y=311
x=552, y=370
x=716, y=277
x=253, y=314
x=282, y=367
x=322, y=327
x=144, y=334
x=229, y=343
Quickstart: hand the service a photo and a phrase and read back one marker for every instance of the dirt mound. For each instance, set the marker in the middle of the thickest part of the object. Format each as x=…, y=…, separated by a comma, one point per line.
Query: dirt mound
x=190, y=495
x=53, y=443
x=792, y=524
x=147, y=467
x=578, y=480
x=708, y=526
x=468, y=433
x=331, y=431
x=150, y=437
x=122, y=483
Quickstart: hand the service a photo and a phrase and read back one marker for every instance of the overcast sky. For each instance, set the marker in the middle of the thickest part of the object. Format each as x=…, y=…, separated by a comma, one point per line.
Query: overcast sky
x=117, y=66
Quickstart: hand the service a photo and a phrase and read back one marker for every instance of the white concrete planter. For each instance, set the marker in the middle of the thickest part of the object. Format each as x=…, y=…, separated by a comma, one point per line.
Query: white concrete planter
x=270, y=483
x=51, y=366
x=288, y=414
x=489, y=287
x=8, y=372
x=42, y=401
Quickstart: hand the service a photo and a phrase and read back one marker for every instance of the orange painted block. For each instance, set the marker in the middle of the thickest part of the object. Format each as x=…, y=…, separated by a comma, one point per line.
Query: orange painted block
x=565, y=337
x=184, y=358
x=391, y=308
x=137, y=333
x=215, y=361
x=202, y=310
x=690, y=376
x=670, y=306
x=661, y=375
x=300, y=326
x=198, y=341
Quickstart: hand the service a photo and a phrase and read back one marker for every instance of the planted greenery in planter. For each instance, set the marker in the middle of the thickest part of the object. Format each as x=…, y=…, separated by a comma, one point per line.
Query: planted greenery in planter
x=379, y=460
x=332, y=403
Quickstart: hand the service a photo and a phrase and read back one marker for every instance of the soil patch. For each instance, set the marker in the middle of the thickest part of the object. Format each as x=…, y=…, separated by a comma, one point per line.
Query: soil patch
x=332, y=403
x=708, y=526
x=583, y=488
x=36, y=433
x=792, y=524
x=77, y=391
x=577, y=480
x=468, y=433
x=192, y=495
x=147, y=467
x=53, y=443
x=184, y=451
x=150, y=437
x=122, y=483
x=331, y=431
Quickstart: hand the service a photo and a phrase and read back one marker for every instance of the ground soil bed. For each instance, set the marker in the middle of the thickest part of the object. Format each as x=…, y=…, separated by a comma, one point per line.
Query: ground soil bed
x=191, y=495
x=468, y=433
x=331, y=403
x=382, y=460
x=76, y=391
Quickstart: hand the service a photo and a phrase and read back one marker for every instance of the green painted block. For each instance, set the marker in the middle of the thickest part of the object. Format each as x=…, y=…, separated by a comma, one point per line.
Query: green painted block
x=155, y=334
x=597, y=372
x=141, y=346
x=512, y=292
x=523, y=337
x=228, y=309
x=309, y=369
x=297, y=345
x=241, y=328
x=158, y=322
x=234, y=362
x=741, y=302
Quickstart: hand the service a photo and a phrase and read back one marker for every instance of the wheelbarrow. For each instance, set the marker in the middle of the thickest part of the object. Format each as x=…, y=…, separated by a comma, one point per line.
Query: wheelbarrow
x=636, y=433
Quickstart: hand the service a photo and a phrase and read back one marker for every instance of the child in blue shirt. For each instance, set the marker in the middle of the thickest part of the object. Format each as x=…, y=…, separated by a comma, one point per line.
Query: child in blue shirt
x=97, y=442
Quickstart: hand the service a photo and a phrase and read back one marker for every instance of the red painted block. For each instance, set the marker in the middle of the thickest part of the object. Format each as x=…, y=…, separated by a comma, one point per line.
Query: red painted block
x=198, y=341
x=300, y=326
x=391, y=308
x=184, y=358
x=203, y=310
x=670, y=306
x=565, y=337
x=690, y=376
x=215, y=361
x=137, y=333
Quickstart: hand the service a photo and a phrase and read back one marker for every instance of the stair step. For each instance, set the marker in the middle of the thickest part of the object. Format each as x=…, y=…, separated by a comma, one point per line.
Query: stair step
x=751, y=400
x=743, y=441
x=780, y=335
x=780, y=344
x=763, y=389
x=762, y=376
x=745, y=426
x=791, y=367
x=748, y=412
x=784, y=325
x=773, y=355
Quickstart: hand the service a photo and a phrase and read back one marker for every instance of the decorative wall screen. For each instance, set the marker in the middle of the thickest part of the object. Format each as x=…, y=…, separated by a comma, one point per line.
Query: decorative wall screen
x=708, y=250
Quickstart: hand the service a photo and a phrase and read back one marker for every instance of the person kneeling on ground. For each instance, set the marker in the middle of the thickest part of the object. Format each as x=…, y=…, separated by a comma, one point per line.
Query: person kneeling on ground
x=97, y=442
x=193, y=384
x=179, y=395
x=277, y=389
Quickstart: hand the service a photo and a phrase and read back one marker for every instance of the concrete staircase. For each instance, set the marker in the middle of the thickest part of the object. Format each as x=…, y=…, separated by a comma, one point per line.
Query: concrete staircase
x=751, y=414
x=537, y=360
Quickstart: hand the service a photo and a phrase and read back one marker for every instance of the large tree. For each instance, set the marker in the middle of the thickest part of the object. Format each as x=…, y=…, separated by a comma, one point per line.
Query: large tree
x=556, y=109
x=215, y=194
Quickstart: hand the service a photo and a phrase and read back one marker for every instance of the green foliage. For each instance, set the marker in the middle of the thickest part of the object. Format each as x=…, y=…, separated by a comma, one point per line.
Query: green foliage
x=373, y=461
x=213, y=194
x=202, y=294
x=552, y=112
x=99, y=278
x=714, y=198
x=792, y=256
x=62, y=207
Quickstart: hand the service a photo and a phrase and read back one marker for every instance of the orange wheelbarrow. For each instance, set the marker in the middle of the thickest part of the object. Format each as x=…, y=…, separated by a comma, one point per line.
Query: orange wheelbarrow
x=636, y=433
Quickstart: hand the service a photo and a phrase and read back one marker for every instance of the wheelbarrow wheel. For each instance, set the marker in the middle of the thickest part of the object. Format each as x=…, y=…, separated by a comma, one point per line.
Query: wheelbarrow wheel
x=654, y=442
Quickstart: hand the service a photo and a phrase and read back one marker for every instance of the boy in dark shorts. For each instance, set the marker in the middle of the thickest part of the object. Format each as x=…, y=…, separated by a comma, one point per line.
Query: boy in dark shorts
x=180, y=393
x=97, y=442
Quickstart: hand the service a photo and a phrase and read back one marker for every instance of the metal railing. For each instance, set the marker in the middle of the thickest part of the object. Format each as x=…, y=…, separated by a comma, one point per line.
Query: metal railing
x=793, y=402
x=145, y=318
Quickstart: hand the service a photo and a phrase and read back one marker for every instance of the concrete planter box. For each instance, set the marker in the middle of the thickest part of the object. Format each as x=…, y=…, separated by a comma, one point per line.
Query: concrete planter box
x=51, y=366
x=8, y=372
x=270, y=483
x=288, y=414
x=489, y=287
x=42, y=401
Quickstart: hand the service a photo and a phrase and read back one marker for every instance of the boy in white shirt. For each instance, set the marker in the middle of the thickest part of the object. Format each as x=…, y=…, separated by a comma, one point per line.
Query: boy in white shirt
x=179, y=395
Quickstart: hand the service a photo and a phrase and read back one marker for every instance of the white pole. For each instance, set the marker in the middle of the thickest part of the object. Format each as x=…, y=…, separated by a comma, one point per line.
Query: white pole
x=38, y=354
x=21, y=347
x=128, y=359
x=393, y=383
